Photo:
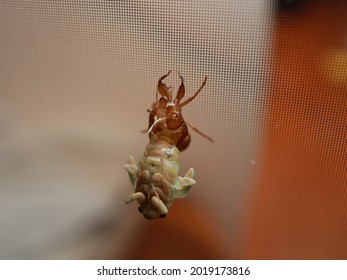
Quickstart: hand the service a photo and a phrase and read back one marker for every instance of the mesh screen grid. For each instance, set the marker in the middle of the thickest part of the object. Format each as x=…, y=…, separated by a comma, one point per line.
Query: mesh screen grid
x=76, y=80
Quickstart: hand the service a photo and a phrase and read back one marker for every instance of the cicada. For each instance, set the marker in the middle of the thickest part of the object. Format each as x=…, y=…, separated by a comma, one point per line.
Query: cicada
x=155, y=177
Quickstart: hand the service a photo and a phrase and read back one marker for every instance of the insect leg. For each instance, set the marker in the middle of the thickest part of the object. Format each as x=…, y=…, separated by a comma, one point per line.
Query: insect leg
x=183, y=185
x=132, y=169
x=181, y=90
x=163, y=184
x=195, y=94
x=157, y=203
x=139, y=196
x=198, y=131
x=163, y=89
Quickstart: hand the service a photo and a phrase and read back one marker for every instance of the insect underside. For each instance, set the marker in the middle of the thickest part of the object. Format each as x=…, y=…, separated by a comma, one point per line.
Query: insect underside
x=155, y=177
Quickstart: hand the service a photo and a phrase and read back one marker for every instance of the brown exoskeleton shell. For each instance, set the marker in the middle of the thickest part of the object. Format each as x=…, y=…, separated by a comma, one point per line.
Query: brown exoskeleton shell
x=165, y=115
x=155, y=177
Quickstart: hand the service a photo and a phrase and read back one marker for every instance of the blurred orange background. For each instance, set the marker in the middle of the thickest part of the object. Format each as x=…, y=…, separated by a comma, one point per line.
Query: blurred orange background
x=299, y=206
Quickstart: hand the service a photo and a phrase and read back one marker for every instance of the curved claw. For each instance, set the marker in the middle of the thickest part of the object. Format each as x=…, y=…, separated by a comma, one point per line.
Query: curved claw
x=163, y=89
x=190, y=173
x=181, y=91
x=163, y=77
x=139, y=196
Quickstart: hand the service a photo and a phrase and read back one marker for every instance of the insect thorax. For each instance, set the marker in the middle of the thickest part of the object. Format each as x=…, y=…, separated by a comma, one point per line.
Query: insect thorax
x=161, y=156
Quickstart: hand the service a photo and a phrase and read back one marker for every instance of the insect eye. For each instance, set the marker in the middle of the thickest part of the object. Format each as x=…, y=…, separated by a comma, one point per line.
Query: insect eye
x=140, y=210
x=162, y=216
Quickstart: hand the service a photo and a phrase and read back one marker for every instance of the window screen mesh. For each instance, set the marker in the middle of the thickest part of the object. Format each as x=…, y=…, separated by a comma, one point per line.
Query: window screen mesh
x=76, y=79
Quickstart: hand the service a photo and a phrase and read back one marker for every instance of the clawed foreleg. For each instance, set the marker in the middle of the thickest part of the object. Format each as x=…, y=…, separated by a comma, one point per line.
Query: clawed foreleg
x=183, y=185
x=198, y=131
x=132, y=169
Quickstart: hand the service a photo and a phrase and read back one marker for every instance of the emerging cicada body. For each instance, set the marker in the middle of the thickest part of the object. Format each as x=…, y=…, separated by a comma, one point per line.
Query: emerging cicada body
x=155, y=177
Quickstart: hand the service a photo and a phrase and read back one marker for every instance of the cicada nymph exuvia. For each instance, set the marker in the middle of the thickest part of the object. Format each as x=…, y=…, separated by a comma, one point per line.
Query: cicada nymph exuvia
x=155, y=177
